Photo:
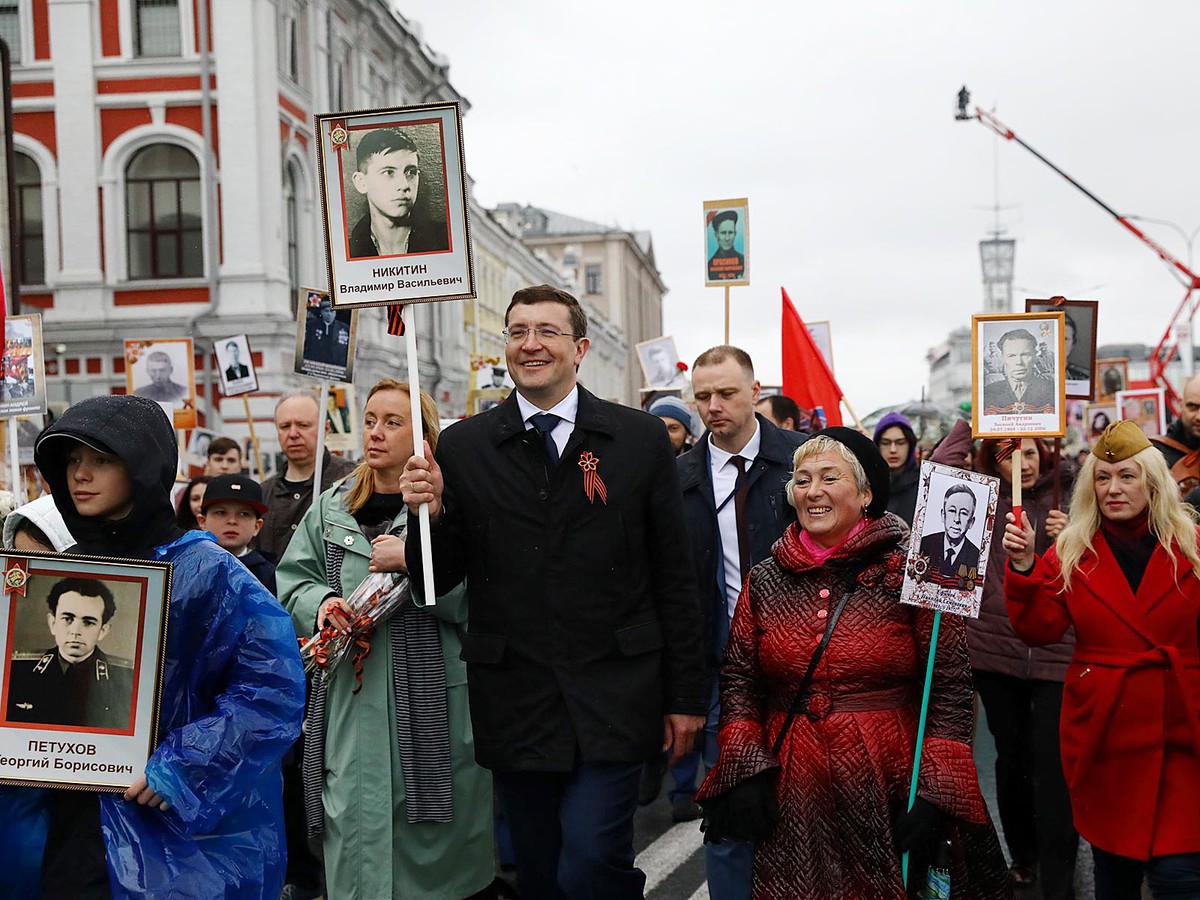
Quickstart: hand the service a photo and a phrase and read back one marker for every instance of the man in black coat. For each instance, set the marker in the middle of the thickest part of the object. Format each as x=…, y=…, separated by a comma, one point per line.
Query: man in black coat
x=583, y=650
x=952, y=556
x=724, y=548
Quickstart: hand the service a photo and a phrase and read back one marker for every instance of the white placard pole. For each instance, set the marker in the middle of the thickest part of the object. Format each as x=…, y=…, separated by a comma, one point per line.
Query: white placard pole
x=322, y=402
x=414, y=395
x=14, y=463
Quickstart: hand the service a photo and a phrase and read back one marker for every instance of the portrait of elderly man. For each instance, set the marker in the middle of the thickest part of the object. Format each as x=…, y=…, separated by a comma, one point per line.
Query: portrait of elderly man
x=388, y=175
x=161, y=388
x=952, y=556
x=1021, y=390
x=73, y=682
x=726, y=264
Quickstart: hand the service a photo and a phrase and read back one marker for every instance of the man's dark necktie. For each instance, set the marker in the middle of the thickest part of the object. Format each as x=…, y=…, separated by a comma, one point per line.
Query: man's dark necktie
x=544, y=423
x=739, y=509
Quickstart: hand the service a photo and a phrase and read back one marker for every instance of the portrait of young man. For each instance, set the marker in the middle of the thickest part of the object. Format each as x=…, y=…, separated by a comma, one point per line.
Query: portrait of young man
x=726, y=263
x=327, y=339
x=235, y=369
x=387, y=174
x=74, y=682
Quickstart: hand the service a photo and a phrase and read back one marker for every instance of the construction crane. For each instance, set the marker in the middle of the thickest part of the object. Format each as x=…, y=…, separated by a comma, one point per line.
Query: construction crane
x=1167, y=345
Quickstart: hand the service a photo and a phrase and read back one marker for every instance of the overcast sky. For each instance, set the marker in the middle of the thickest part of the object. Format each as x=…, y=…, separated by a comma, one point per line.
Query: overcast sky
x=867, y=198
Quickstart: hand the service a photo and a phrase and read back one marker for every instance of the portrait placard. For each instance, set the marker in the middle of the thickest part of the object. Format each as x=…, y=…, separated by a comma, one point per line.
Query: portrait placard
x=235, y=364
x=82, y=648
x=1079, y=341
x=1097, y=417
x=727, y=242
x=163, y=370
x=488, y=398
x=197, y=446
x=394, y=193
x=1112, y=375
x=1145, y=406
x=1017, y=376
x=342, y=434
x=660, y=363
x=952, y=539
x=822, y=336
x=23, y=389
x=325, y=337
x=488, y=372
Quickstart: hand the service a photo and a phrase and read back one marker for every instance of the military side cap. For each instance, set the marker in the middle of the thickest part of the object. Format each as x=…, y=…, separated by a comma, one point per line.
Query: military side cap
x=1119, y=441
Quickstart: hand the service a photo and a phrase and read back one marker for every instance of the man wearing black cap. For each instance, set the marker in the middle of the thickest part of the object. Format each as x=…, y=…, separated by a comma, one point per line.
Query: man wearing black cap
x=232, y=511
x=726, y=264
x=388, y=175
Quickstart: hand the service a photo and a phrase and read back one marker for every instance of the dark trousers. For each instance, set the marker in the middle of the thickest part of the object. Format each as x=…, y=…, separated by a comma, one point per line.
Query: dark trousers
x=304, y=870
x=572, y=832
x=75, y=866
x=1035, y=808
x=1174, y=877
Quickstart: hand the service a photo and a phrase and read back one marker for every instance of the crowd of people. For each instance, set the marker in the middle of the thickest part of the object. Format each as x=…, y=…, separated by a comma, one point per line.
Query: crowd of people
x=710, y=589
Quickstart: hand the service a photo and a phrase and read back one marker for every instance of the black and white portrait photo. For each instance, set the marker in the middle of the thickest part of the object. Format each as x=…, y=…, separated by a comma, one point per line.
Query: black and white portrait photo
x=74, y=642
x=235, y=363
x=1079, y=341
x=1112, y=375
x=325, y=338
x=660, y=363
x=393, y=192
x=952, y=530
x=163, y=370
x=1018, y=385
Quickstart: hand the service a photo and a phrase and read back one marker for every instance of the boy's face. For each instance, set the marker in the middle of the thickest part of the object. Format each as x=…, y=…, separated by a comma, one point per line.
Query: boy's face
x=99, y=483
x=234, y=524
x=390, y=182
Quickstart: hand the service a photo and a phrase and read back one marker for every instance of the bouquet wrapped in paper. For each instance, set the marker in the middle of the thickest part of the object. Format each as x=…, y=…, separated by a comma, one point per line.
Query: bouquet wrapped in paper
x=376, y=598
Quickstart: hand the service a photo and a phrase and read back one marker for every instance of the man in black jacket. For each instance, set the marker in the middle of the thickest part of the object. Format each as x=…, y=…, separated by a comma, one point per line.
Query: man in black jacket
x=583, y=651
x=740, y=466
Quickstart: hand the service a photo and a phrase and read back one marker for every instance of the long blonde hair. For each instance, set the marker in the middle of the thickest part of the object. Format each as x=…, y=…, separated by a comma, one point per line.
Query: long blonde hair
x=431, y=427
x=1171, y=520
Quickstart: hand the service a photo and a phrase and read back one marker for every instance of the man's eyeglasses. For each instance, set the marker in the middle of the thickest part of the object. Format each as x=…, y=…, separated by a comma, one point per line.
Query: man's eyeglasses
x=519, y=335
x=888, y=443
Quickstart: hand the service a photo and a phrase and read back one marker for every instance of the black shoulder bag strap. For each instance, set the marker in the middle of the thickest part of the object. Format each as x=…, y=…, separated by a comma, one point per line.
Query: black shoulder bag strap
x=801, y=696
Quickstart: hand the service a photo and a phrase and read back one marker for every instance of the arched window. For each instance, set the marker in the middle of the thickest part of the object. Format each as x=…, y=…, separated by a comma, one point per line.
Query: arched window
x=31, y=238
x=291, y=216
x=163, y=211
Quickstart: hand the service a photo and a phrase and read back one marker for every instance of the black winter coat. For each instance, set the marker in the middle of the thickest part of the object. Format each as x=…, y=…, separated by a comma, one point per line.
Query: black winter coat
x=767, y=515
x=583, y=621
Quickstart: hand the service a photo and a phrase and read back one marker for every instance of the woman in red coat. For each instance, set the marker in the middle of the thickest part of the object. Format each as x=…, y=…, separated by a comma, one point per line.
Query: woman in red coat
x=828, y=807
x=1124, y=573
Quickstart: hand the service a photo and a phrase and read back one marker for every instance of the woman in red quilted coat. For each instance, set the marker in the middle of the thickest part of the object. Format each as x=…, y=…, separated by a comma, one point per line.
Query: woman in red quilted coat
x=828, y=810
x=1124, y=573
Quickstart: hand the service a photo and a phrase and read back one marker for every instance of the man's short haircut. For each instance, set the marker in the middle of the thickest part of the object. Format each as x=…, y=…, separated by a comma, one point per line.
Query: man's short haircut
x=714, y=356
x=86, y=587
x=960, y=489
x=307, y=393
x=159, y=356
x=783, y=407
x=223, y=445
x=546, y=293
x=725, y=215
x=233, y=344
x=382, y=140
x=1069, y=321
x=1017, y=334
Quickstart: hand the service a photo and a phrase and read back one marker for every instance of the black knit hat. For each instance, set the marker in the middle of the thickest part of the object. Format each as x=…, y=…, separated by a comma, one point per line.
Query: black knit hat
x=870, y=459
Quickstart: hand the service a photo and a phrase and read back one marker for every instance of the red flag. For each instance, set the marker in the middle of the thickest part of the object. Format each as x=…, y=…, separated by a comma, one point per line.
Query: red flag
x=806, y=375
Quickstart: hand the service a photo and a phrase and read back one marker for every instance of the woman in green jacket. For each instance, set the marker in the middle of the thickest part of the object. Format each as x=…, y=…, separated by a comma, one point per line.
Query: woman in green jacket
x=406, y=810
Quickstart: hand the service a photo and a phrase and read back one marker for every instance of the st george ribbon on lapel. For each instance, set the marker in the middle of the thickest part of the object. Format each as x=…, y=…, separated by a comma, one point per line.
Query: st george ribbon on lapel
x=544, y=423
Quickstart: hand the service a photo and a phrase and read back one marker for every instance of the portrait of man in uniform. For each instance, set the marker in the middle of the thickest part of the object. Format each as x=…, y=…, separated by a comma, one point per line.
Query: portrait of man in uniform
x=328, y=338
x=387, y=174
x=74, y=682
x=1022, y=389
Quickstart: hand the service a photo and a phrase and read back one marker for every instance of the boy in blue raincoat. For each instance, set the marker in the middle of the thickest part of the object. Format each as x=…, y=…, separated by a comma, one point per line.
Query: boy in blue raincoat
x=206, y=819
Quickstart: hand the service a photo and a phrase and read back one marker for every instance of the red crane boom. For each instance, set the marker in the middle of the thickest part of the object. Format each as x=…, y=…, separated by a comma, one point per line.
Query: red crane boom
x=1167, y=345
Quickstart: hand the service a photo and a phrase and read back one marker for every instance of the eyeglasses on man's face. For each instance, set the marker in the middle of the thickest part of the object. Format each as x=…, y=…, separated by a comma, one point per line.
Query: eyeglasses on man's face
x=519, y=334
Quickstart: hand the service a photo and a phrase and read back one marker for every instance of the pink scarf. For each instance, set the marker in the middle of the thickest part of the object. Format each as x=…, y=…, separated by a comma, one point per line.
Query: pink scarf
x=818, y=553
